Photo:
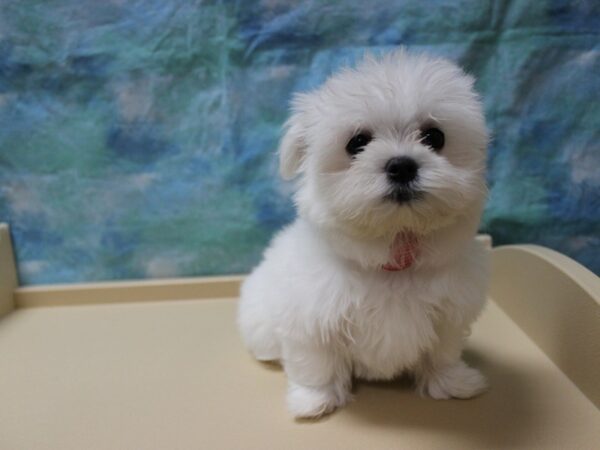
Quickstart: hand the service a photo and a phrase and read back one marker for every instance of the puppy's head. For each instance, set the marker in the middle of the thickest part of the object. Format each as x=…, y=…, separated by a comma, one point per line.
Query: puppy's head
x=396, y=144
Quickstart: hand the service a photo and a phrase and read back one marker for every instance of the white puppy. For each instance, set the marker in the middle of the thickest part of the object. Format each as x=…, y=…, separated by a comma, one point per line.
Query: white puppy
x=380, y=273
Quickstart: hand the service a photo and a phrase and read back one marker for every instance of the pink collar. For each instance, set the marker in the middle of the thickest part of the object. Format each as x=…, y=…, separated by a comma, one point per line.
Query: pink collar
x=403, y=251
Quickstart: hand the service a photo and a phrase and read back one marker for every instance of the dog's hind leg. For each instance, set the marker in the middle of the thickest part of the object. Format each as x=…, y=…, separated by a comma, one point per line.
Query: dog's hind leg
x=256, y=324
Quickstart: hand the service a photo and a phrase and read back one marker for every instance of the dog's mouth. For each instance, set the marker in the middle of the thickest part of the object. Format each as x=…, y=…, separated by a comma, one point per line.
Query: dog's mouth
x=402, y=195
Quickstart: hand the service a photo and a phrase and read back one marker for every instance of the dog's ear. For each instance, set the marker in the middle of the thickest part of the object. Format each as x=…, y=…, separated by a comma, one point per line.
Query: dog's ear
x=293, y=145
x=292, y=148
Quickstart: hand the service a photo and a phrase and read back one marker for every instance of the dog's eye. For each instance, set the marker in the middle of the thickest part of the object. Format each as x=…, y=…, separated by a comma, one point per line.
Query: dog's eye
x=358, y=143
x=434, y=138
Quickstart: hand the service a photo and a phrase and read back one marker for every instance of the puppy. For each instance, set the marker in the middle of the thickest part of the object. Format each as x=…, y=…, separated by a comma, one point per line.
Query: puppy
x=380, y=273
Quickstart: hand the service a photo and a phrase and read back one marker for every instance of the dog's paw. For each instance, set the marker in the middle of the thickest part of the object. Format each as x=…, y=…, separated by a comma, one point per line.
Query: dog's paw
x=457, y=381
x=306, y=402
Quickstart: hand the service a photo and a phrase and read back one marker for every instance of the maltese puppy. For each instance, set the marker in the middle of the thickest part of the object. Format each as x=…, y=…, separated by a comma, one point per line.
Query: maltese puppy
x=380, y=274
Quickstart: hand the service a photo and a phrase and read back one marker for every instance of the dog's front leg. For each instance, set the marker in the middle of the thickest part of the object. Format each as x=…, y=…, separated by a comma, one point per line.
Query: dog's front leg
x=318, y=379
x=442, y=373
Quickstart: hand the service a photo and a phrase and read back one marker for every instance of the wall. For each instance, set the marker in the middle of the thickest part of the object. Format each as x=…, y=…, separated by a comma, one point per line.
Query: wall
x=137, y=138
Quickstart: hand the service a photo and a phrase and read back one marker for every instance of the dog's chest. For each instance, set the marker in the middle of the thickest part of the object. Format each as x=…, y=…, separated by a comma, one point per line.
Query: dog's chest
x=389, y=329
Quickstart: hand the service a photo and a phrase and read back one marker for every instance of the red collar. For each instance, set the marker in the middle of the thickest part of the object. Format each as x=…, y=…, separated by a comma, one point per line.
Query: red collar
x=403, y=251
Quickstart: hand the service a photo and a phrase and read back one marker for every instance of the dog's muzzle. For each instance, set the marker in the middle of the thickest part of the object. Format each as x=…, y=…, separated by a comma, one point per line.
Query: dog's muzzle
x=403, y=195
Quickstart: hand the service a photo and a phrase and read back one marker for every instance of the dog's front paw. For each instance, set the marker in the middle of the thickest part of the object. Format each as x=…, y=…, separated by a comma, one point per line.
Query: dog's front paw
x=458, y=381
x=306, y=402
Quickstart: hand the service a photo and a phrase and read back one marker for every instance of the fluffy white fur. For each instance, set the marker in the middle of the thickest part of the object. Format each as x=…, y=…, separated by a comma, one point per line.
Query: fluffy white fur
x=320, y=302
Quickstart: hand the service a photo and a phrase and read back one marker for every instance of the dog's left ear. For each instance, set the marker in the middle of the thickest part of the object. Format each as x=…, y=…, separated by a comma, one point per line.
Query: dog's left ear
x=292, y=148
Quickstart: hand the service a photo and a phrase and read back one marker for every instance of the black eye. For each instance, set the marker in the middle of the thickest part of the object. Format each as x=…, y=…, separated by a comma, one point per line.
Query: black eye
x=434, y=138
x=358, y=143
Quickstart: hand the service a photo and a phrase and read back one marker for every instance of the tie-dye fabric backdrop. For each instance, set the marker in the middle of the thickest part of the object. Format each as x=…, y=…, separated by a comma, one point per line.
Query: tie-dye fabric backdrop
x=137, y=137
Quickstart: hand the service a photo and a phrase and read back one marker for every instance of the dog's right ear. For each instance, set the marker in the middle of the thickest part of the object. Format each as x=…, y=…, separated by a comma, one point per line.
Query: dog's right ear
x=292, y=148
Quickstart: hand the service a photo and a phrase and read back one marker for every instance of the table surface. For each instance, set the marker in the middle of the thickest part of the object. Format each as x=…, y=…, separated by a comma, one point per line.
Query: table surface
x=174, y=375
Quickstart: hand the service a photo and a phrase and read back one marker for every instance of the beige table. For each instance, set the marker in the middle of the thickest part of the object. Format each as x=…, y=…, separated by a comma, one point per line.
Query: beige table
x=128, y=366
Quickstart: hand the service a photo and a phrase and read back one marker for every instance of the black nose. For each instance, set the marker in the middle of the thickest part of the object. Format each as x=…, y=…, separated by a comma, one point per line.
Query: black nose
x=401, y=169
